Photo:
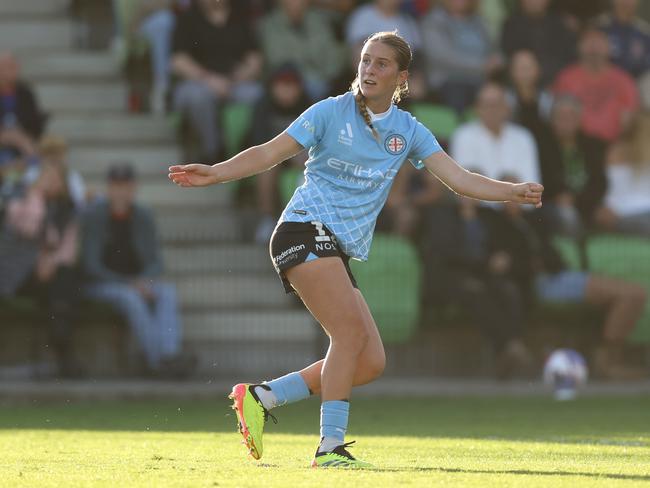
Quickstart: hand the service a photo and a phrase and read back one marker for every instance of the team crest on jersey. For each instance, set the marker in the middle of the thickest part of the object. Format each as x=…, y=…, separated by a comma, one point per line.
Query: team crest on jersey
x=395, y=144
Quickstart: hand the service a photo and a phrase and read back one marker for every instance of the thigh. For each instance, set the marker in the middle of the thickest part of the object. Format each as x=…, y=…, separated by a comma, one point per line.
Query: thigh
x=193, y=93
x=119, y=295
x=325, y=288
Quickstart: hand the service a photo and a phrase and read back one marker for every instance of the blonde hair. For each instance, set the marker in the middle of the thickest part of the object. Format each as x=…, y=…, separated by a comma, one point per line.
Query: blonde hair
x=635, y=142
x=403, y=56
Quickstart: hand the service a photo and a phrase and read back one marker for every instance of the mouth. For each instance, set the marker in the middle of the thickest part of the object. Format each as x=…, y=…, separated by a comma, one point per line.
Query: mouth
x=370, y=82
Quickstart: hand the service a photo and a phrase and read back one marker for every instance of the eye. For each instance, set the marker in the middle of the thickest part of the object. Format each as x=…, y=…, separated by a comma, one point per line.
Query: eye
x=365, y=61
x=382, y=64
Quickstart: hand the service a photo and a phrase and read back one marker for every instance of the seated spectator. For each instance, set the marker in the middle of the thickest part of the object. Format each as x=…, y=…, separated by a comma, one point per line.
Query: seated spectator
x=121, y=259
x=623, y=302
x=530, y=103
x=534, y=28
x=629, y=37
x=217, y=60
x=573, y=169
x=493, y=145
x=385, y=15
x=21, y=119
x=54, y=150
x=379, y=16
x=472, y=267
x=458, y=52
x=295, y=33
x=38, y=251
x=608, y=94
x=152, y=21
x=627, y=203
x=285, y=100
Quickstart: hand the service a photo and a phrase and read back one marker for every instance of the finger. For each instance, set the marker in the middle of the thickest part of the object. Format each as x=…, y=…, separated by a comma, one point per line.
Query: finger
x=535, y=187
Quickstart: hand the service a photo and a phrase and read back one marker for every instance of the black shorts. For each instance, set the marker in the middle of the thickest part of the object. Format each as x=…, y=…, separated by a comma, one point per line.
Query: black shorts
x=293, y=243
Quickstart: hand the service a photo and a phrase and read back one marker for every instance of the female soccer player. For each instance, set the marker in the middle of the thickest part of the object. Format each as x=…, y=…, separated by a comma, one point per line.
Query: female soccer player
x=357, y=143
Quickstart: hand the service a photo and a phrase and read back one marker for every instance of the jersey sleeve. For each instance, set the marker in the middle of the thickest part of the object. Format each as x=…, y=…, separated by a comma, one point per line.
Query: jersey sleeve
x=309, y=128
x=424, y=145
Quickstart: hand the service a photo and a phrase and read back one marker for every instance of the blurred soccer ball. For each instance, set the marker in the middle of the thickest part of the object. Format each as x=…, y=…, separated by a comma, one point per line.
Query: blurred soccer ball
x=565, y=371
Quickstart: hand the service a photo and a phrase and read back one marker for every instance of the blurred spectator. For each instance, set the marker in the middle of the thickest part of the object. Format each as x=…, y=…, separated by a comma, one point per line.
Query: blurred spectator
x=529, y=101
x=579, y=13
x=285, y=100
x=494, y=14
x=377, y=16
x=38, y=251
x=122, y=260
x=296, y=33
x=629, y=37
x=608, y=94
x=627, y=204
x=217, y=59
x=544, y=33
x=491, y=144
x=623, y=302
x=153, y=22
x=458, y=52
x=21, y=119
x=469, y=265
x=573, y=169
x=54, y=150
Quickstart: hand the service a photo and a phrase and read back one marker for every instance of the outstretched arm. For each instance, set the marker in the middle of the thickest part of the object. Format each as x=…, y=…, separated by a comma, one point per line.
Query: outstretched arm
x=247, y=163
x=473, y=185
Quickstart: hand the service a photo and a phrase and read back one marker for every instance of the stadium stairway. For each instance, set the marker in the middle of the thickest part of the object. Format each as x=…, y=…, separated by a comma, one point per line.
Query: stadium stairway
x=236, y=318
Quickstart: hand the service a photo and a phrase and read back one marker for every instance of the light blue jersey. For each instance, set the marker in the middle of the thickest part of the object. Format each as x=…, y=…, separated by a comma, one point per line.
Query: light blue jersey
x=349, y=173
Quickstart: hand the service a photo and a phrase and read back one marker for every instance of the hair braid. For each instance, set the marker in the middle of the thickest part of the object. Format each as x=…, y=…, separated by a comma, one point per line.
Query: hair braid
x=361, y=103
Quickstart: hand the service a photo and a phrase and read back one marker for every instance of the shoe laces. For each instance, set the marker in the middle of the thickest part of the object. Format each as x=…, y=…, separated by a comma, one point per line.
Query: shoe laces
x=341, y=450
x=267, y=414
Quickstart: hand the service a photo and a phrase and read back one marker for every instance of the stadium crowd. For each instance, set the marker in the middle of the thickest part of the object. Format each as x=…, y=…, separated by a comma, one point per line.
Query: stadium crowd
x=527, y=90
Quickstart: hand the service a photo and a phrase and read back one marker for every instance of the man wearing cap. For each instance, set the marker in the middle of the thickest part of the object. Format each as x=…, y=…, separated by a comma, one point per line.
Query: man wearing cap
x=121, y=258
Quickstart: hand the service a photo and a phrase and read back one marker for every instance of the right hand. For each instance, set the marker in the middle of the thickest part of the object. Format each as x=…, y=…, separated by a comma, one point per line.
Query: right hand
x=188, y=175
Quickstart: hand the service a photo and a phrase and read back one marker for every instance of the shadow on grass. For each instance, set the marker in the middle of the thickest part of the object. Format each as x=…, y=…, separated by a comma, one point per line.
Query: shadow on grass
x=524, y=472
x=605, y=421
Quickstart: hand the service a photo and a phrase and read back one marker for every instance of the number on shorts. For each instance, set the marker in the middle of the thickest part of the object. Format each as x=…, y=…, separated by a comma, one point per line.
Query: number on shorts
x=321, y=237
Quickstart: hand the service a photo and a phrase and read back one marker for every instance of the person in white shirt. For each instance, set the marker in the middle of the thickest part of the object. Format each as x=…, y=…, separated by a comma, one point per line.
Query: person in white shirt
x=491, y=144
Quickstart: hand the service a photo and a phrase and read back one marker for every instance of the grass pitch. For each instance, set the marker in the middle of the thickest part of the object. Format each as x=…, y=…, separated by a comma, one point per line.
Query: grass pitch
x=482, y=442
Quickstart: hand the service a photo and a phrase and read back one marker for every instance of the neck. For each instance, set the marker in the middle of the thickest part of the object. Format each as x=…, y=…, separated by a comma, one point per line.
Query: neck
x=624, y=17
x=494, y=129
x=526, y=92
x=595, y=66
x=378, y=106
x=566, y=139
x=120, y=210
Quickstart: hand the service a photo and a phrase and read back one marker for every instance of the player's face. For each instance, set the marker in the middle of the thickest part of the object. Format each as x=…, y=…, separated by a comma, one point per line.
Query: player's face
x=379, y=72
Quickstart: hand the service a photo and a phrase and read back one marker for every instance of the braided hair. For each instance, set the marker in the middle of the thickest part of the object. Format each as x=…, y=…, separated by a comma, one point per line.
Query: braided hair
x=403, y=57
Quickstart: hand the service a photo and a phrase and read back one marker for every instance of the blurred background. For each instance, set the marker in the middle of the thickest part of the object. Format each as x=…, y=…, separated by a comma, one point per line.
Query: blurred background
x=109, y=271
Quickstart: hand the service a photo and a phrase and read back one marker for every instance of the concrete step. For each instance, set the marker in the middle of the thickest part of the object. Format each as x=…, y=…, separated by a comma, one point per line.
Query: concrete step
x=32, y=7
x=97, y=98
x=262, y=325
x=234, y=291
x=218, y=258
x=69, y=65
x=35, y=34
x=208, y=226
x=251, y=361
x=93, y=160
x=167, y=197
x=121, y=128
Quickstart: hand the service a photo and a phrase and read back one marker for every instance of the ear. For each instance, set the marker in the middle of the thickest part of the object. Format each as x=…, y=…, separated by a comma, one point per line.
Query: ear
x=402, y=77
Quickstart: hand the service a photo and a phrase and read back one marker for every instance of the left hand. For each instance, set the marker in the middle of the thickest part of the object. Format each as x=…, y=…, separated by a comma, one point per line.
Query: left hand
x=530, y=193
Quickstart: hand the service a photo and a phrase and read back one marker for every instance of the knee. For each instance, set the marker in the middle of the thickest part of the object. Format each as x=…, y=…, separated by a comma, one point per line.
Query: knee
x=375, y=365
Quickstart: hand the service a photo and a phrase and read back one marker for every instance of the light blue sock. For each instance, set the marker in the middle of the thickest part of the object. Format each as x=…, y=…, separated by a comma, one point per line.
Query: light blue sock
x=286, y=389
x=333, y=422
